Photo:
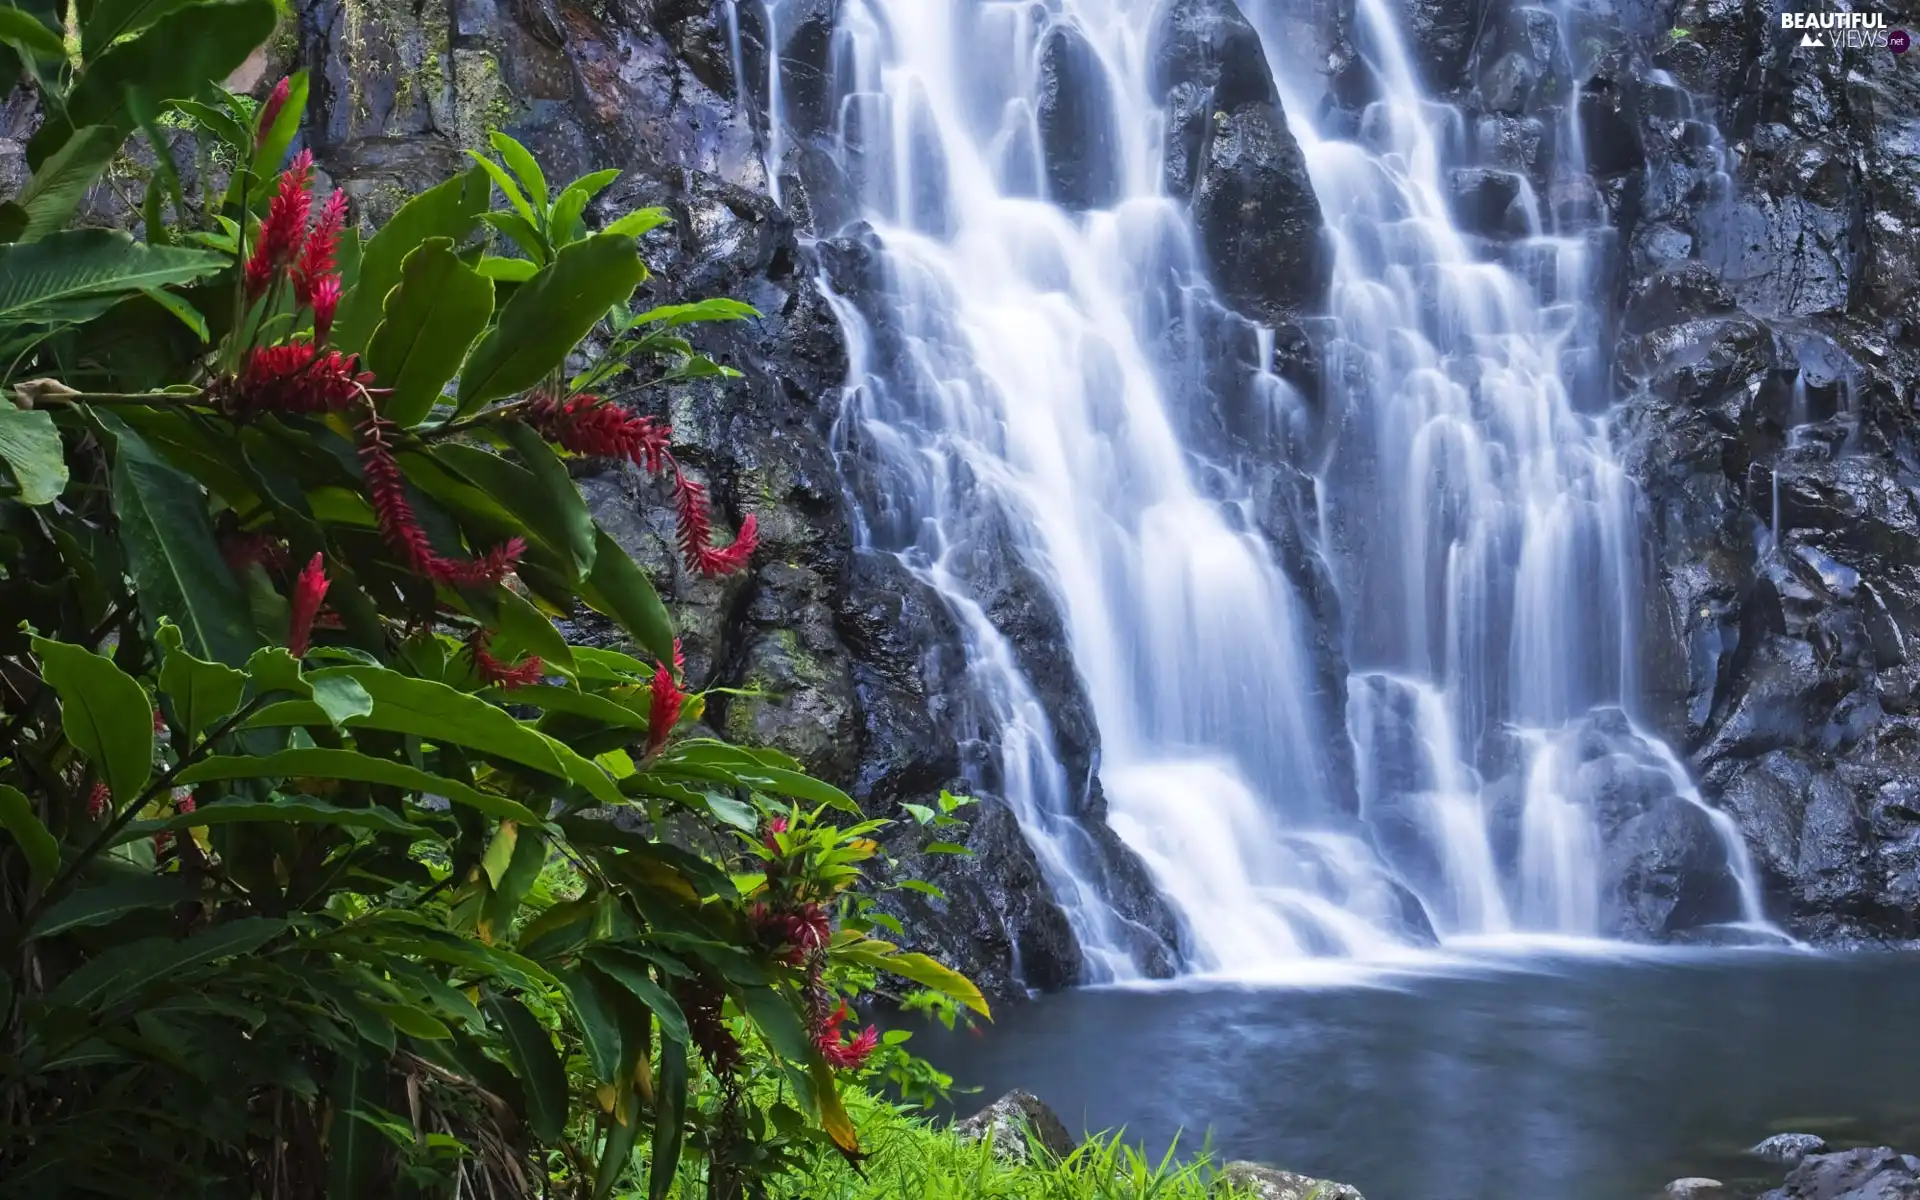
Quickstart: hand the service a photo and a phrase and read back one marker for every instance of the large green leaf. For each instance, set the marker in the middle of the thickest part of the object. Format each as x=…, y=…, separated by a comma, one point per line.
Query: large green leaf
x=102, y=980
x=175, y=562
x=511, y=884
x=925, y=971
x=354, y=1146
x=450, y=210
x=27, y=34
x=440, y=306
x=314, y=763
x=536, y=1062
x=522, y=161
x=599, y=1025
x=630, y=972
x=36, y=844
x=112, y=19
x=547, y=317
x=200, y=692
x=38, y=280
x=175, y=56
x=56, y=189
x=104, y=712
x=772, y=1014
x=115, y=899
x=621, y=590
x=31, y=448
x=557, y=518
x=292, y=812
x=557, y=491
x=670, y=1116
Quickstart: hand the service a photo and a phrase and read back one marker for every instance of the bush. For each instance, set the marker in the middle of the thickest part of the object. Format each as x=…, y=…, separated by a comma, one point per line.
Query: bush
x=332, y=867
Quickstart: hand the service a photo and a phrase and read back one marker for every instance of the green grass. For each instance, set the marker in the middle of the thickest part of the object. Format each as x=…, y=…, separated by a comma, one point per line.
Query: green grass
x=916, y=1159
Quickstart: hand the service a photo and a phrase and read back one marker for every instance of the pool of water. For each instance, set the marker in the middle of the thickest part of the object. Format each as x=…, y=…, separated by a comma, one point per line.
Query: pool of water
x=1556, y=1076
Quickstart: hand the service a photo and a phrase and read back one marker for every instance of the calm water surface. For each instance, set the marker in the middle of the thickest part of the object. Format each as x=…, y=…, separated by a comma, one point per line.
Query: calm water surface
x=1561, y=1078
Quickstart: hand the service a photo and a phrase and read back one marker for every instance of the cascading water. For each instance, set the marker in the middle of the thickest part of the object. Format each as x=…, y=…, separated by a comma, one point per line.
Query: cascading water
x=1015, y=401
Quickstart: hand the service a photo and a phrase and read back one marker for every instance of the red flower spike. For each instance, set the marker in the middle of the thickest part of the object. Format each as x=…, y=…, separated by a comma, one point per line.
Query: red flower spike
x=97, y=801
x=770, y=839
x=285, y=229
x=317, y=255
x=270, y=111
x=495, y=673
x=308, y=591
x=696, y=532
x=664, y=713
x=325, y=299
x=387, y=490
x=848, y=1055
x=298, y=378
x=184, y=802
x=587, y=424
x=679, y=660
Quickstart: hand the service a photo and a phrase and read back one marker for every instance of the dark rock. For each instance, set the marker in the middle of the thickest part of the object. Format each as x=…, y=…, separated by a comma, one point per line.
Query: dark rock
x=1610, y=118
x=1015, y=1125
x=1258, y=218
x=1696, y=1188
x=1880, y=1174
x=1440, y=34
x=1077, y=134
x=1210, y=43
x=1788, y=1149
x=1487, y=201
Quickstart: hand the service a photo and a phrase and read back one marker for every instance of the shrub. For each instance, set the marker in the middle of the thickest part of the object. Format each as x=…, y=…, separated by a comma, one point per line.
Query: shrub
x=332, y=867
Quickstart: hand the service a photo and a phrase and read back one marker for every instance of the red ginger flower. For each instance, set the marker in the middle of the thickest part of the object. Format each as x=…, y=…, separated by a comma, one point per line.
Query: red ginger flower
x=702, y=1003
x=316, y=263
x=308, y=591
x=795, y=933
x=284, y=231
x=183, y=801
x=696, y=532
x=847, y=1055
x=587, y=424
x=664, y=713
x=770, y=839
x=97, y=801
x=387, y=489
x=270, y=111
x=493, y=672
x=298, y=378
x=325, y=299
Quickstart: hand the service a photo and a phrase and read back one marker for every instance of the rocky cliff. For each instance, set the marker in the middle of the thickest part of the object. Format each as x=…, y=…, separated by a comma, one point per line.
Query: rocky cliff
x=1763, y=320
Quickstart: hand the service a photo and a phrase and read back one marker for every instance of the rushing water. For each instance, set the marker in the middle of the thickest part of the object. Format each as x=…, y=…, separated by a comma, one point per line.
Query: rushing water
x=1481, y=532
x=1573, y=1079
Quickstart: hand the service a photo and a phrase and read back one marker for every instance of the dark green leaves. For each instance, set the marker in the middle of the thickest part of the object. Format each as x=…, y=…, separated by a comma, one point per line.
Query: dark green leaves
x=440, y=306
x=177, y=569
x=542, y=1078
x=621, y=590
x=82, y=272
x=200, y=692
x=547, y=317
x=48, y=201
x=31, y=448
x=26, y=34
x=670, y=1117
x=104, y=713
x=36, y=844
x=451, y=210
x=352, y=765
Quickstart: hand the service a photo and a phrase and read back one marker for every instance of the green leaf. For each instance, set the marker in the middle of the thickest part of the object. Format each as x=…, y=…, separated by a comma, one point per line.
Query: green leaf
x=517, y=157
x=929, y=973
x=176, y=56
x=508, y=188
x=621, y=590
x=201, y=692
x=354, y=1147
x=31, y=446
x=639, y=222
x=511, y=885
x=670, y=1116
x=599, y=1025
x=508, y=270
x=719, y=308
x=772, y=1014
x=341, y=699
x=111, y=20
x=630, y=972
x=26, y=34
x=113, y=900
x=564, y=227
x=274, y=142
x=440, y=306
x=315, y=763
x=451, y=210
x=542, y=1077
x=177, y=569
x=548, y=315
x=36, y=844
x=413, y=1022
x=40, y=280
x=189, y=316
x=215, y=121
x=125, y=969
x=56, y=189
x=104, y=712
x=573, y=531
x=623, y=1131
x=595, y=183
x=525, y=629
x=300, y=811
x=522, y=233
x=552, y=511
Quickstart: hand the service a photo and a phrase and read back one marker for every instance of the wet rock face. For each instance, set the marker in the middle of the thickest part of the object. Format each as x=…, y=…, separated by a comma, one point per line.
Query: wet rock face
x=1881, y=1174
x=1077, y=134
x=1769, y=363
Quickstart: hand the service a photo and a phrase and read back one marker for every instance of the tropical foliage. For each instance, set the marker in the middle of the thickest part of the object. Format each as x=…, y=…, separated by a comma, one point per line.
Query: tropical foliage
x=331, y=867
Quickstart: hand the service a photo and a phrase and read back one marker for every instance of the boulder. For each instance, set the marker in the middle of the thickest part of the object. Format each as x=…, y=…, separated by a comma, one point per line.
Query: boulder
x=1016, y=1125
x=1258, y=218
x=1212, y=44
x=1271, y=1183
x=1440, y=34
x=1078, y=138
x=1879, y=1174
x=1788, y=1149
x=1696, y=1188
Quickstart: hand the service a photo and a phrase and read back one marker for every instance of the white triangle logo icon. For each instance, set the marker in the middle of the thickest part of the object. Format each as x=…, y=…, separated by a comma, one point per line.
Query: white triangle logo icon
x=1813, y=40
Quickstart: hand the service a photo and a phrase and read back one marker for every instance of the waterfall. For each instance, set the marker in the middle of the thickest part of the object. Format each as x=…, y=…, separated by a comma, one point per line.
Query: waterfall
x=1009, y=400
